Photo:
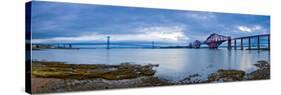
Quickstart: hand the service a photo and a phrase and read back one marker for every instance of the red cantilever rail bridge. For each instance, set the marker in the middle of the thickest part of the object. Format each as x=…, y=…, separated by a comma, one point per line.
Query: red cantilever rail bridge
x=215, y=40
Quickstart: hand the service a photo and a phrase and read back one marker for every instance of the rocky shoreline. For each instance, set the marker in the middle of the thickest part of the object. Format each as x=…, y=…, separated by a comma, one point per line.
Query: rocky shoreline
x=60, y=77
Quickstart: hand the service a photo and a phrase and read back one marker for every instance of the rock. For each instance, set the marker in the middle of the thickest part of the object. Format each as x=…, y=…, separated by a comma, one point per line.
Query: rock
x=86, y=71
x=191, y=79
x=63, y=85
x=262, y=64
x=226, y=75
x=262, y=73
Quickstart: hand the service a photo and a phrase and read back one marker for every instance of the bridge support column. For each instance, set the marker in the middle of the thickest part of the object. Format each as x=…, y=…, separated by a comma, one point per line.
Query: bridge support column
x=37, y=46
x=268, y=43
x=258, y=43
x=241, y=45
x=235, y=44
x=249, y=43
x=229, y=43
x=108, y=42
x=153, y=44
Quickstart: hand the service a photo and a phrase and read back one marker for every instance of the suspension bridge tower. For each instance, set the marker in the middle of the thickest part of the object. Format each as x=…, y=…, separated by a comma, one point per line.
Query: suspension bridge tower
x=108, y=42
x=153, y=46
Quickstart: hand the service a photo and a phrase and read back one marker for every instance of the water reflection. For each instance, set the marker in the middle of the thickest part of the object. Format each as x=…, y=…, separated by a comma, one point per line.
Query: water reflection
x=107, y=56
x=245, y=59
x=175, y=64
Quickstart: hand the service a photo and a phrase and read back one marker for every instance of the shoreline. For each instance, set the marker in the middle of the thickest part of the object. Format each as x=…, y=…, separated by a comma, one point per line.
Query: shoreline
x=52, y=77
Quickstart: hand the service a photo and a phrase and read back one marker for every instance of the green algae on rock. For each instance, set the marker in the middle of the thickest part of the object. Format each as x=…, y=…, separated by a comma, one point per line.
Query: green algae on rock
x=86, y=71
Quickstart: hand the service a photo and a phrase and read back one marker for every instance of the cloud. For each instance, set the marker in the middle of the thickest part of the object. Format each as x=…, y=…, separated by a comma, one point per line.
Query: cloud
x=172, y=34
x=64, y=22
x=249, y=29
x=201, y=16
x=244, y=29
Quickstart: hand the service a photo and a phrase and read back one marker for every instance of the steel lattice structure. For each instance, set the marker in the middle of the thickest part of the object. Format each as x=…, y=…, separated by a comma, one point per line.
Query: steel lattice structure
x=214, y=40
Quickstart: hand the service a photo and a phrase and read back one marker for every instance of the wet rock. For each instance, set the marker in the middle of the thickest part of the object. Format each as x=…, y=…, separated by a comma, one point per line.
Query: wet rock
x=63, y=85
x=194, y=78
x=262, y=73
x=226, y=76
x=262, y=64
x=86, y=71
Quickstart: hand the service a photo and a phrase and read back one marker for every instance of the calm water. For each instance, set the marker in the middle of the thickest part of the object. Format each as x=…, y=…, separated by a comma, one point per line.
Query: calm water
x=174, y=64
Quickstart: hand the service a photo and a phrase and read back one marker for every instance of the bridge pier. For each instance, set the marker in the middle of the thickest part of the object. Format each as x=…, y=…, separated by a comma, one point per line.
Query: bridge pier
x=258, y=43
x=241, y=45
x=70, y=46
x=108, y=42
x=268, y=39
x=235, y=44
x=153, y=44
x=37, y=46
x=249, y=43
x=229, y=43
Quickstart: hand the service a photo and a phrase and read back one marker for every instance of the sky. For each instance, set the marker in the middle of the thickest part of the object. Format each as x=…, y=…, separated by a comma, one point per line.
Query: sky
x=71, y=23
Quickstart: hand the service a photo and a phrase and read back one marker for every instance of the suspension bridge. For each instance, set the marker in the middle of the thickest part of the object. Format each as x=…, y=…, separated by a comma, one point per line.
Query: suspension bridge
x=108, y=44
x=213, y=41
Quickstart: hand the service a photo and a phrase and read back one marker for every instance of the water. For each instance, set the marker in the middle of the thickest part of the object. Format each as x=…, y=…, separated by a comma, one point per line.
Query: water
x=174, y=64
